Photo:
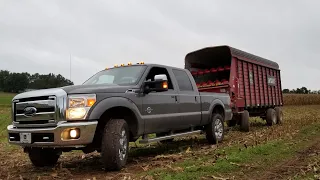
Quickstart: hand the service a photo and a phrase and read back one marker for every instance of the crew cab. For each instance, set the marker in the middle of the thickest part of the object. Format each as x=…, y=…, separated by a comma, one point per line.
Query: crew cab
x=112, y=108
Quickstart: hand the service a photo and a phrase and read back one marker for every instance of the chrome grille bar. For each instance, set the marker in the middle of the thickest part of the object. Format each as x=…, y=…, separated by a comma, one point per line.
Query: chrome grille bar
x=50, y=105
x=36, y=117
x=45, y=112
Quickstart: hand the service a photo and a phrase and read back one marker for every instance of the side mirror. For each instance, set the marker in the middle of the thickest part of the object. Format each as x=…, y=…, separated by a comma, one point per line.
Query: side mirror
x=160, y=77
x=160, y=84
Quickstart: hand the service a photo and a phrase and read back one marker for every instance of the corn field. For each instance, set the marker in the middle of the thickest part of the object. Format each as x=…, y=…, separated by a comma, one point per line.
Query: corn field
x=301, y=99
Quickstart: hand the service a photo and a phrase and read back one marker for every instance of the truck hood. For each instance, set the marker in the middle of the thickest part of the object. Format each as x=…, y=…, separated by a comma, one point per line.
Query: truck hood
x=74, y=89
x=41, y=92
x=78, y=89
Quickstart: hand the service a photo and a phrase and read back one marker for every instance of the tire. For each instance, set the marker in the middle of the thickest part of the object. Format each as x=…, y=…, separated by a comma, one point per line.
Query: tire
x=279, y=115
x=43, y=157
x=271, y=117
x=215, y=130
x=115, y=145
x=244, y=123
x=164, y=134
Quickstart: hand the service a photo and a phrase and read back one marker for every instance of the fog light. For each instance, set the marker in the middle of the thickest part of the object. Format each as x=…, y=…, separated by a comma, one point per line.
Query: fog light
x=73, y=133
x=69, y=134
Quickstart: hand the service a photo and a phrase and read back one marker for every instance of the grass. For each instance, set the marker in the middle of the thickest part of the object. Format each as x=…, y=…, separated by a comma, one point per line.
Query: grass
x=5, y=99
x=232, y=159
x=5, y=120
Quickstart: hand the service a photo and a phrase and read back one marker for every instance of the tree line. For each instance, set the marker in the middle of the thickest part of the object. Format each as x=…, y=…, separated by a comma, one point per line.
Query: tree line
x=20, y=82
x=302, y=90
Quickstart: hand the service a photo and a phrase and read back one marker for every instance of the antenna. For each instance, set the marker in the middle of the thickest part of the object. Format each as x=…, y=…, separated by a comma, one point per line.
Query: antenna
x=70, y=66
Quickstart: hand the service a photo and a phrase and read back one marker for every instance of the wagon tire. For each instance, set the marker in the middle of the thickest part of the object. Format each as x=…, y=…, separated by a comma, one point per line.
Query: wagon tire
x=43, y=157
x=271, y=117
x=279, y=115
x=244, y=123
x=215, y=130
x=115, y=145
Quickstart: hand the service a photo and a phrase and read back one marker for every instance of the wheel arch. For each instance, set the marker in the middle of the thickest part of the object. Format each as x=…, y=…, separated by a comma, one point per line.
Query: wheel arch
x=117, y=108
x=217, y=106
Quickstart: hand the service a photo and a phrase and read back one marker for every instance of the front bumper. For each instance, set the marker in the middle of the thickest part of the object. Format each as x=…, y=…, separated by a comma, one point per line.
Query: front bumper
x=51, y=137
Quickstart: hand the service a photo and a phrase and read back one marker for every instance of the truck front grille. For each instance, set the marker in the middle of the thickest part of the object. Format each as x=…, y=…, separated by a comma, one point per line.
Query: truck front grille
x=35, y=111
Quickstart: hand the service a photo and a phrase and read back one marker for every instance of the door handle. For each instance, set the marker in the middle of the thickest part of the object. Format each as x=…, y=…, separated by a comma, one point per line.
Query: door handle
x=175, y=97
x=195, y=98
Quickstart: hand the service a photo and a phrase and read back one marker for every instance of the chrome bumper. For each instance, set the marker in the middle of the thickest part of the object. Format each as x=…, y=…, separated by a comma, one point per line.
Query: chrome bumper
x=51, y=137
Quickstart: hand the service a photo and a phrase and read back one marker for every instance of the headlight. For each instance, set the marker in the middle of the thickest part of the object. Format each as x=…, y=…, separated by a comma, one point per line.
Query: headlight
x=79, y=105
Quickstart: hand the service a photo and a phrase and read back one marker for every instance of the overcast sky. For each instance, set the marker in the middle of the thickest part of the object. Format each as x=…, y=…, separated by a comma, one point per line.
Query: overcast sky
x=38, y=36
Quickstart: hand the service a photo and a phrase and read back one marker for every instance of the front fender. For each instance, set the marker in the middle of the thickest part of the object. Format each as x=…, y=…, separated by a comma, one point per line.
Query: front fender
x=112, y=102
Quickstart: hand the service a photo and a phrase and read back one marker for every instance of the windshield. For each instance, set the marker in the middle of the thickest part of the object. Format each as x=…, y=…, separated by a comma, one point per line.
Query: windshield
x=128, y=75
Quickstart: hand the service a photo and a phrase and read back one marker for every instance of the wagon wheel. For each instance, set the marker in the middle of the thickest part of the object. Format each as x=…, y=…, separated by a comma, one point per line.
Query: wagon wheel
x=244, y=123
x=271, y=117
x=279, y=115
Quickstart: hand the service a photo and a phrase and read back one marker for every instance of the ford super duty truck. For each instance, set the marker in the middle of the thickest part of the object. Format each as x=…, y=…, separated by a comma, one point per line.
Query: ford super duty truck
x=112, y=108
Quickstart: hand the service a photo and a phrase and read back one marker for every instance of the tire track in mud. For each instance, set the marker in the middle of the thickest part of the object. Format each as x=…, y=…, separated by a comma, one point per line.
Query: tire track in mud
x=159, y=155
x=76, y=166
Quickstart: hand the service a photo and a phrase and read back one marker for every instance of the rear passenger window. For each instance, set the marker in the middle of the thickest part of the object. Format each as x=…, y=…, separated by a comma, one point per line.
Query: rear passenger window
x=183, y=80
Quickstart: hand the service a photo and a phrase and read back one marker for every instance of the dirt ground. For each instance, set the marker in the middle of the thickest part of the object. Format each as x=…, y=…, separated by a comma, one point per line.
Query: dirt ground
x=305, y=161
x=14, y=164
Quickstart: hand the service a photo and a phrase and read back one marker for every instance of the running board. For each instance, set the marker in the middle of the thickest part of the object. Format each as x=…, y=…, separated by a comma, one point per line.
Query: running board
x=147, y=140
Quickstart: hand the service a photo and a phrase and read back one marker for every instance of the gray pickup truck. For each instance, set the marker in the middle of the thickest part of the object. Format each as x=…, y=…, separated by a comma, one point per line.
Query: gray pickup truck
x=112, y=108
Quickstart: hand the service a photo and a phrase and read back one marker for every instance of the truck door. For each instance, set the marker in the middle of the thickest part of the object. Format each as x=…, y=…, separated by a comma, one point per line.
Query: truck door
x=160, y=110
x=189, y=100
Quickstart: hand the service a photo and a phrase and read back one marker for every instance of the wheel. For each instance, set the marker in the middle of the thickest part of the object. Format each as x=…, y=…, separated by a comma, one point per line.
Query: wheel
x=215, y=130
x=271, y=117
x=43, y=157
x=164, y=134
x=115, y=144
x=279, y=115
x=244, y=123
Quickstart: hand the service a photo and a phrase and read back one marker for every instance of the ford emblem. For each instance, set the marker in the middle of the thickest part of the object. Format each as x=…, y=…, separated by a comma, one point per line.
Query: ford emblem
x=30, y=111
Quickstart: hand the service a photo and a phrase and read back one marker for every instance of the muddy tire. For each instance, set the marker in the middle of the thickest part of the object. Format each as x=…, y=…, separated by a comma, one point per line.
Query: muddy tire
x=271, y=117
x=43, y=157
x=279, y=115
x=115, y=145
x=244, y=122
x=215, y=130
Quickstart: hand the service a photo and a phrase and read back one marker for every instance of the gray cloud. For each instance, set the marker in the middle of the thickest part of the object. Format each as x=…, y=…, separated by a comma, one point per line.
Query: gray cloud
x=38, y=36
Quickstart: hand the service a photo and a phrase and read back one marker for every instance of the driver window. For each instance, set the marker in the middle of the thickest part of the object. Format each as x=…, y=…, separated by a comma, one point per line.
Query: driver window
x=157, y=71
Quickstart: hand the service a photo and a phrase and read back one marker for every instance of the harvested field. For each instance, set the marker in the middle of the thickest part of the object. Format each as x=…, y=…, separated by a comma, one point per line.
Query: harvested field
x=240, y=156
